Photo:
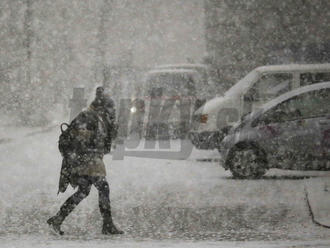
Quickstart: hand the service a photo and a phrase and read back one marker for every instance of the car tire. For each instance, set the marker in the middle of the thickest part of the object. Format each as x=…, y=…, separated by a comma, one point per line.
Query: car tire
x=247, y=162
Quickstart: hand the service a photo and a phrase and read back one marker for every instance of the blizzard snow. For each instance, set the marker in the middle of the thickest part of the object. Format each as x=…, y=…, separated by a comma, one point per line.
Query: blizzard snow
x=157, y=202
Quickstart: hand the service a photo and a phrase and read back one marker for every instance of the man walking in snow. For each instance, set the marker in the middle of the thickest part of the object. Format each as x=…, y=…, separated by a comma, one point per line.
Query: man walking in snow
x=83, y=164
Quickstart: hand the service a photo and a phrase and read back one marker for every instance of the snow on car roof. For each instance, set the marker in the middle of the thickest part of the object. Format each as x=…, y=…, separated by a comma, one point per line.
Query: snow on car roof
x=217, y=100
x=246, y=81
x=293, y=67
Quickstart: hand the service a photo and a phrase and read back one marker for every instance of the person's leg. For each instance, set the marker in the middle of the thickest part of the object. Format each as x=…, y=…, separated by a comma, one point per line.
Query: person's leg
x=102, y=186
x=84, y=187
x=104, y=203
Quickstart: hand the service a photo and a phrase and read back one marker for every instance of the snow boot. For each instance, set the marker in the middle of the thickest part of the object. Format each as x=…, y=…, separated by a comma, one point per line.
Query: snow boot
x=110, y=228
x=55, y=223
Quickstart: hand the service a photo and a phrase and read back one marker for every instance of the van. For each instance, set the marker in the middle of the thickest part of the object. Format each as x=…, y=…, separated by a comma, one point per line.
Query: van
x=212, y=121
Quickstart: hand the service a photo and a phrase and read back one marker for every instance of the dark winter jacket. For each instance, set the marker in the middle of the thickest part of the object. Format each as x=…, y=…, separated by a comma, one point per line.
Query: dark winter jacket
x=93, y=135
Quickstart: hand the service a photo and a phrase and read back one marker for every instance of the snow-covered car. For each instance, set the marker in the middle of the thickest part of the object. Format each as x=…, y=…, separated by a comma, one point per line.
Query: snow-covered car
x=218, y=115
x=290, y=132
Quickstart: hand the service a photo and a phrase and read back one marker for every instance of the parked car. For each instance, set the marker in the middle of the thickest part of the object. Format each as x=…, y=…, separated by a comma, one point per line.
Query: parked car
x=217, y=116
x=290, y=132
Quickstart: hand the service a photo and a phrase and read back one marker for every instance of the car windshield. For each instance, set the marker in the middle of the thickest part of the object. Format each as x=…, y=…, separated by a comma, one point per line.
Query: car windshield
x=242, y=84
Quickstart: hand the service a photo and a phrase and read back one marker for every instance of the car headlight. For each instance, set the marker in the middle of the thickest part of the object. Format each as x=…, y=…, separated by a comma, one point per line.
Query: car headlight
x=133, y=109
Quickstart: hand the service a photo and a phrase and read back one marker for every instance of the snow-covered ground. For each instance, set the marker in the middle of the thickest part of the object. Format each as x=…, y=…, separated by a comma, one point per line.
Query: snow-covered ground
x=157, y=202
x=41, y=242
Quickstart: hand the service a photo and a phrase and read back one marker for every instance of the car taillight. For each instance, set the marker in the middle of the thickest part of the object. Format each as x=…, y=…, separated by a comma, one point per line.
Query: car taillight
x=203, y=118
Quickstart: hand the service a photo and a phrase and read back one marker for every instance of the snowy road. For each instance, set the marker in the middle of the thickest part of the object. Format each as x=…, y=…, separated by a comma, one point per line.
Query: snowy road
x=166, y=203
x=37, y=242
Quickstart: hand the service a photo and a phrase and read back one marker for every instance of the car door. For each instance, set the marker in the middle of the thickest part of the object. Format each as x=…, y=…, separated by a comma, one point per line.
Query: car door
x=315, y=111
x=279, y=132
x=296, y=131
x=325, y=137
x=324, y=123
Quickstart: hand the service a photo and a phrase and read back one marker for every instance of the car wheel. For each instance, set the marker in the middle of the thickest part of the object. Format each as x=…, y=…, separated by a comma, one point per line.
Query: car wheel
x=247, y=162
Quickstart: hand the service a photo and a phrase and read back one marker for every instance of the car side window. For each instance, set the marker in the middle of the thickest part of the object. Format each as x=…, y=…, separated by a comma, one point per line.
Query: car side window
x=308, y=105
x=315, y=103
x=285, y=111
x=270, y=86
x=313, y=78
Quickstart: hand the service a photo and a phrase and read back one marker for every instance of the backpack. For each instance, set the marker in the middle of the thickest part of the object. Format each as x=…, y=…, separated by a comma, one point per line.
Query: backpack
x=65, y=145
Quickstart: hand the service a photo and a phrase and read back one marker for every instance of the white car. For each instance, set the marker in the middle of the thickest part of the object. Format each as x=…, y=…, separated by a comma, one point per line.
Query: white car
x=212, y=121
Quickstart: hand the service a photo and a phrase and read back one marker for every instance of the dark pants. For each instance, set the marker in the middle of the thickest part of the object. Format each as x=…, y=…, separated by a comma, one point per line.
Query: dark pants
x=84, y=186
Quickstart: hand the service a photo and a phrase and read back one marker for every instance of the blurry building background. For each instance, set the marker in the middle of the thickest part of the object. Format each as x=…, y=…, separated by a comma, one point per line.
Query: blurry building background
x=49, y=47
x=244, y=34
